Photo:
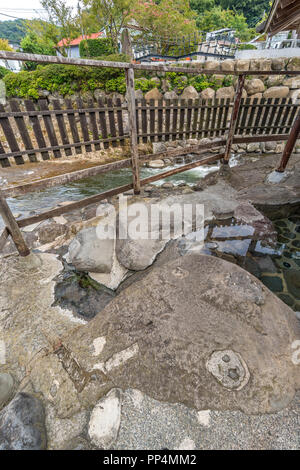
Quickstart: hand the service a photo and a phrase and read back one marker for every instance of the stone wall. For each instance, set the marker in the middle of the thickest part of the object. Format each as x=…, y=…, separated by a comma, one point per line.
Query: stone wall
x=275, y=86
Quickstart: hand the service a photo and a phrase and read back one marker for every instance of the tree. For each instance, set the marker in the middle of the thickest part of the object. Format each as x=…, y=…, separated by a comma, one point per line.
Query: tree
x=166, y=18
x=4, y=45
x=201, y=6
x=35, y=44
x=110, y=15
x=63, y=17
x=252, y=10
x=217, y=18
x=13, y=30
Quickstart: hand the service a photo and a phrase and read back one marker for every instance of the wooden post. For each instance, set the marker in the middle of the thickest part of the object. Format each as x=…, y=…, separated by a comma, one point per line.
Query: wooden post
x=289, y=146
x=13, y=228
x=133, y=130
x=234, y=115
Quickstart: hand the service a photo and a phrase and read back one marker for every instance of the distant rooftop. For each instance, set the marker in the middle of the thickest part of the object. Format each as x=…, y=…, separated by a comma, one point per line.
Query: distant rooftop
x=284, y=16
x=77, y=41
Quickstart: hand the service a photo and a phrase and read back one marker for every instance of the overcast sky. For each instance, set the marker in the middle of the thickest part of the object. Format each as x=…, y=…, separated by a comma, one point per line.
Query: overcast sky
x=21, y=9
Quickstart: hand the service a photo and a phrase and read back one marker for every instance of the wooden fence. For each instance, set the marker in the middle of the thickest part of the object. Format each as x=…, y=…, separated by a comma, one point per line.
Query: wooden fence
x=246, y=121
x=35, y=132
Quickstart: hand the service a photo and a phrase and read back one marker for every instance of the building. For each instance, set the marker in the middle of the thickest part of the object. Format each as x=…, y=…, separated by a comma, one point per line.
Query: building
x=284, y=16
x=73, y=46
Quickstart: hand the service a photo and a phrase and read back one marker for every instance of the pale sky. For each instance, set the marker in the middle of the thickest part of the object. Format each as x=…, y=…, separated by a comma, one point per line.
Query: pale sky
x=21, y=9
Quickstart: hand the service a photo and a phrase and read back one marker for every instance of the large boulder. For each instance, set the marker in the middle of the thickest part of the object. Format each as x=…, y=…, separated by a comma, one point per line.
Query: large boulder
x=200, y=331
x=225, y=92
x=153, y=94
x=276, y=92
x=207, y=94
x=89, y=252
x=274, y=80
x=189, y=93
x=227, y=65
x=242, y=65
x=170, y=95
x=22, y=424
x=254, y=86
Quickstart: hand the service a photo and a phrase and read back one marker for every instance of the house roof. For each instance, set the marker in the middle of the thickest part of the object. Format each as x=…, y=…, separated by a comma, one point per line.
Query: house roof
x=77, y=41
x=284, y=15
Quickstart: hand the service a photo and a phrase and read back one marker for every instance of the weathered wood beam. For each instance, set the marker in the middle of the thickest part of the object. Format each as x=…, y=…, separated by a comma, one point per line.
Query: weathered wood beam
x=13, y=228
x=129, y=73
x=234, y=116
x=43, y=59
x=3, y=238
x=182, y=168
x=289, y=146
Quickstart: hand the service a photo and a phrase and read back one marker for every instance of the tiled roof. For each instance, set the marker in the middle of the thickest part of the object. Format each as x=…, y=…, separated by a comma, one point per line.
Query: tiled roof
x=76, y=42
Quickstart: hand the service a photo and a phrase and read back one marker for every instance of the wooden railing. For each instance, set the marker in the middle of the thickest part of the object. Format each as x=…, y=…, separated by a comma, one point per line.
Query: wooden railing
x=240, y=122
x=71, y=127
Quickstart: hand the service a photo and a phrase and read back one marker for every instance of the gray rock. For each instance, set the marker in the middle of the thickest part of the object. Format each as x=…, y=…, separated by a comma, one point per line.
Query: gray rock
x=6, y=388
x=254, y=86
x=153, y=94
x=22, y=424
x=170, y=95
x=158, y=147
x=189, y=93
x=161, y=331
x=276, y=92
x=298, y=315
x=139, y=95
x=87, y=252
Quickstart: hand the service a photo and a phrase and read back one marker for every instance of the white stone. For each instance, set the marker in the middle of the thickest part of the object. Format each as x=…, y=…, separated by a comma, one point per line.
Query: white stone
x=60, y=220
x=119, y=358
x=2, y=353
x=204, y=418
x=277, y=177
x=105, y=420
x=186, y=444
x=98, y=345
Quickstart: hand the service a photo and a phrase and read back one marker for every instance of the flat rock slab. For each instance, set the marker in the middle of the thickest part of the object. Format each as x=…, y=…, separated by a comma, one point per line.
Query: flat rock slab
x=160, y=333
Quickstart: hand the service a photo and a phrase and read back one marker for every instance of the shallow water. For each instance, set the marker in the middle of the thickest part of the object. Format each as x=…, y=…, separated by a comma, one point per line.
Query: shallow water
x=42, y=200
x=278, y=267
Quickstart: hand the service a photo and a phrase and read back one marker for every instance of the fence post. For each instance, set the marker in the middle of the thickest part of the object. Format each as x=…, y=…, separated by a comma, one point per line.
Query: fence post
x=234, y=115
x=290, y=144
x=133, y=130
x=13, y=228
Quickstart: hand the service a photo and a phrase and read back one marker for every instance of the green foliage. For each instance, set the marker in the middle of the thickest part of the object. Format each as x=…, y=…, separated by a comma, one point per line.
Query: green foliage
x=13, y=30
x=144, y=84
x=96, y=47
x=33, y=44
x=66, y=79
x=3, y=71
x=246, y=47
x=217, y=18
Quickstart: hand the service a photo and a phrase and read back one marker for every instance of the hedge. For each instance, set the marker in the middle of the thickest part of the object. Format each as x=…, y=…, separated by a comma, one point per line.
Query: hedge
x=96, y=47
x=66, y=79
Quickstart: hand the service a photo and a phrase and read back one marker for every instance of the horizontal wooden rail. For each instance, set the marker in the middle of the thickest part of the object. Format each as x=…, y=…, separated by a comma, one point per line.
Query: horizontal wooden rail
x=42, y=59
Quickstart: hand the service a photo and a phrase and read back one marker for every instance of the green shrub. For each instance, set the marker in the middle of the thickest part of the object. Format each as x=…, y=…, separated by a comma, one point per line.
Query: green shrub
x=66, y=79
x=144, y=84
x=246, y=47
x=3, y=71
x=96, y=47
